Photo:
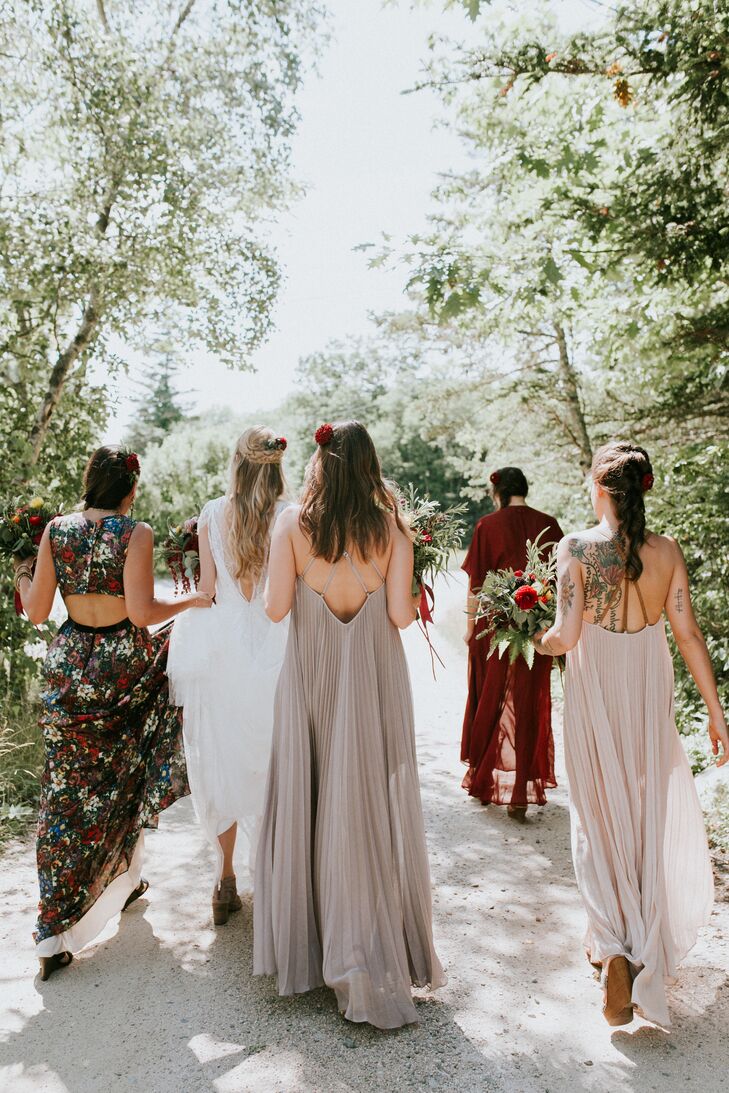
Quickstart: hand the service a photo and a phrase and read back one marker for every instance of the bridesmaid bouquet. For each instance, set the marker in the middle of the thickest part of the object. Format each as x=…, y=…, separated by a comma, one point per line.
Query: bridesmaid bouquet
x=517, y=604
x=21, y=530
x=22, y=526
x=437, y=533
x=181, y=552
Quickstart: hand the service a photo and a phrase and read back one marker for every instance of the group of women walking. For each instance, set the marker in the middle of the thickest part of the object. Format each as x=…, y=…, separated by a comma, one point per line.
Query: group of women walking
x=289, y=709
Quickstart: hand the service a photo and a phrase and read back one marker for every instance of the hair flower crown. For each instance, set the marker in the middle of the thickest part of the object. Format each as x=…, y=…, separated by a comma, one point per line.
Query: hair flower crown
x=131, y=464
x=495, y=478
x=646, y=482
x=324, y=434
x=277, y=444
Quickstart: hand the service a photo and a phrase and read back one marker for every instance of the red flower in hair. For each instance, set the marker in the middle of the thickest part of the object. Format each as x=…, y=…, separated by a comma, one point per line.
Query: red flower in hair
x=324, y=434
x=526, y=597
x=495, y=478
x=132, y=463
x=647, y=482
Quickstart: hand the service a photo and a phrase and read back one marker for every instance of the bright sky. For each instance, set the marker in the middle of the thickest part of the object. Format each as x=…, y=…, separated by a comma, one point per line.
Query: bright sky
x=369, y=157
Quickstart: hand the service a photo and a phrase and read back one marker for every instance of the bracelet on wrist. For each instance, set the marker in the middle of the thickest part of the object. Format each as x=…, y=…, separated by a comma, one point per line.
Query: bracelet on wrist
x=26, y=571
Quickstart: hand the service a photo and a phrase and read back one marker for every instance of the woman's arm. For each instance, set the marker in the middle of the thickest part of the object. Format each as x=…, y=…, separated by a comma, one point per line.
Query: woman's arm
x=37, y=593
x=208, y=572
x=281, y=581
x=143, y=607
x=401, y=604
x=692, y=647
x=565, y=633
x=471, y=612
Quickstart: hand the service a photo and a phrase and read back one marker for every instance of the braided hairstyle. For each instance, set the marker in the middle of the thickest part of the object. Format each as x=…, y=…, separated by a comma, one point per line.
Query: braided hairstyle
x=506, y=483
x=623, y=470
x=110, y=475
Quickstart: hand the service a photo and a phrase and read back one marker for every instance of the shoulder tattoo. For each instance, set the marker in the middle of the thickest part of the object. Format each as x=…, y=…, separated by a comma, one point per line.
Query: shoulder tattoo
x=604, y=564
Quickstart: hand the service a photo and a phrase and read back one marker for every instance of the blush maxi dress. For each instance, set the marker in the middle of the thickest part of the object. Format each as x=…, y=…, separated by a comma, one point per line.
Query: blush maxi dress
x=343, y=894
x=638, y=839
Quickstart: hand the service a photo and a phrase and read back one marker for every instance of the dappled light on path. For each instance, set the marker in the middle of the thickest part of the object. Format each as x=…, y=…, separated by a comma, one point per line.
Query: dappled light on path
x=165, y=1003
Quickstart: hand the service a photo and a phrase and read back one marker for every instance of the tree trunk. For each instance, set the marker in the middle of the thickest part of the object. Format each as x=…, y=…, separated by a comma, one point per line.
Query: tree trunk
x=64, y=363
x=81, y=341
x=570, y=383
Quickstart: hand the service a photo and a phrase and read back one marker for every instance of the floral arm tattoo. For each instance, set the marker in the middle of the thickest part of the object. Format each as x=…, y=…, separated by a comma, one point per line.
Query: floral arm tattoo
x=604, y=563
x=566, y=593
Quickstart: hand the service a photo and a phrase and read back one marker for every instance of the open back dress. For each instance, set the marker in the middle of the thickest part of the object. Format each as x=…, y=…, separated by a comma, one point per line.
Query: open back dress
x=638, y=839
x=343, y=892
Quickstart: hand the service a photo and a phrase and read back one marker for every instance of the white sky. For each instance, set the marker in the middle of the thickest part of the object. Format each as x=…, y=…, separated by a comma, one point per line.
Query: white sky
x=369, y=157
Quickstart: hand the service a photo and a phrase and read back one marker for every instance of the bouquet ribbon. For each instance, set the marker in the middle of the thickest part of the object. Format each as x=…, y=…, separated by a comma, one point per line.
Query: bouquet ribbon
x=426, y=608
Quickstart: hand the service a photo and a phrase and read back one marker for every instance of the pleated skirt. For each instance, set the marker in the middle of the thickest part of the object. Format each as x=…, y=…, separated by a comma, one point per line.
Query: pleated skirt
x=638, y=839
x=343, y=894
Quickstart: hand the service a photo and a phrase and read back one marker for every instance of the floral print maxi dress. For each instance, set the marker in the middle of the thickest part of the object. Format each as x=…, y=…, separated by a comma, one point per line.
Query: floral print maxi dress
x=113, y=745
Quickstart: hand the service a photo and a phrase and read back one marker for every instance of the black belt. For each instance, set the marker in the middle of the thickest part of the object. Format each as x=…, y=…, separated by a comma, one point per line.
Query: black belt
x=125, y=624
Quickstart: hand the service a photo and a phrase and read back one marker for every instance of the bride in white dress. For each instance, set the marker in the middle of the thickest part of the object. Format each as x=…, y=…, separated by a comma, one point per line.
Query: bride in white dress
x=224, y=673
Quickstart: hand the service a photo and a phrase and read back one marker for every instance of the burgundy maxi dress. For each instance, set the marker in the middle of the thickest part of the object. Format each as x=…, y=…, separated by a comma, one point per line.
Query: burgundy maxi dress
x=507, y=729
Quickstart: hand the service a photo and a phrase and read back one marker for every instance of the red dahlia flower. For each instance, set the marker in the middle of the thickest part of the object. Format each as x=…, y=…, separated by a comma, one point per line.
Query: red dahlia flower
x=647, y=482
x=324, y=434
x=526, y=598
x=132, y=463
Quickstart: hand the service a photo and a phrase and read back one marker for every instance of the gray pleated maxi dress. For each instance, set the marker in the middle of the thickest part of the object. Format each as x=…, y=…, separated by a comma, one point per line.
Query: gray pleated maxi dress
x=342, y=888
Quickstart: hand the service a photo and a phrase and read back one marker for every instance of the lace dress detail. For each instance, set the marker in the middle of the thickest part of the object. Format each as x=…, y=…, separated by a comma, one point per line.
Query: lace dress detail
x=223, y=669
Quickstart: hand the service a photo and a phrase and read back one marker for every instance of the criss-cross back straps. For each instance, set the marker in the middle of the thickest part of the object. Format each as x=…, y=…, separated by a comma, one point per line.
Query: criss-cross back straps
x=626, y=598
x=330, y=578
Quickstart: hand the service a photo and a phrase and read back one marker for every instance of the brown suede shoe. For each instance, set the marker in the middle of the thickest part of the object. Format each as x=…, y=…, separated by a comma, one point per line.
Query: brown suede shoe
x=617, y=983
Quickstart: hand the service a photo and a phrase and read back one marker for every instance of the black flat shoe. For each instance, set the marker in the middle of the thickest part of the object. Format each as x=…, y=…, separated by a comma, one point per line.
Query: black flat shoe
x=51, y=964
x=138, y=891
x=517, y=812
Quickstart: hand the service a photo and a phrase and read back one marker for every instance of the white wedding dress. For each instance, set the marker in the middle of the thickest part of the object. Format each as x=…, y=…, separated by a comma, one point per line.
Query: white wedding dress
x=223, y=667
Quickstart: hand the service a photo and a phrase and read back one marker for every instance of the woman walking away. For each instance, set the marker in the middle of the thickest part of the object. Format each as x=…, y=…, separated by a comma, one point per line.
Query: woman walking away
x=113, y=745
x=507, y=728
x=342, y=879
x=639, y=844
x=223, y=666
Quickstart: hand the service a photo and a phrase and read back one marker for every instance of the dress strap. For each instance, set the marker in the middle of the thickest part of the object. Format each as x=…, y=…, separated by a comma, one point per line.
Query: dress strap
x=642, y=604
x=330, y=578
x=307, y=567
x=625, y=603
x=356, y=572
x=377, y=571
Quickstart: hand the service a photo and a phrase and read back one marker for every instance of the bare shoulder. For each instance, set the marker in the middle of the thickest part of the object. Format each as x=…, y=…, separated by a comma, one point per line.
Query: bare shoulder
x=288, y=519
x=663, y=548
x=141, y=533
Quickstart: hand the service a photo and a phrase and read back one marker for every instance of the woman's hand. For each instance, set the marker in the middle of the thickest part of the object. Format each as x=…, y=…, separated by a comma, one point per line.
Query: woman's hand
x=201, y=599
x=537, y=643
x=719, y=737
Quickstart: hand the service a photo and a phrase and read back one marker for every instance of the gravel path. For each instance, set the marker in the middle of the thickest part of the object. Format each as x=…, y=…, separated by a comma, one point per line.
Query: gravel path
x=164, y=1004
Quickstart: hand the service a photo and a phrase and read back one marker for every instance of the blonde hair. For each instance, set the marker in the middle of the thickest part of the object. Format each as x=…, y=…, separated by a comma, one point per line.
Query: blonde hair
x=256, y=484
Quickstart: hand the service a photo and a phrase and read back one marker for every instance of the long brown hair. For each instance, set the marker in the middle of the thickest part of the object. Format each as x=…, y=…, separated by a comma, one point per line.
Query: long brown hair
x=346, y=501
x=624, y=471
x=256, y=484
